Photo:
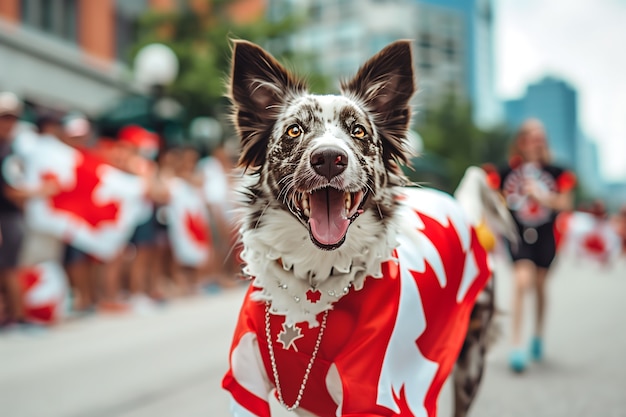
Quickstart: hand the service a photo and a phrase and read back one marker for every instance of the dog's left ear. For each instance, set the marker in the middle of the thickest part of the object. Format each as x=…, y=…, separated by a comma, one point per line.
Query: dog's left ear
x=385, y=84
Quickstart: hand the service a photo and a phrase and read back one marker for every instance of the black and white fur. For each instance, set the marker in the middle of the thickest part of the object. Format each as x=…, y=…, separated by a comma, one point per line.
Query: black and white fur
x=295, y=144
x=365, y=127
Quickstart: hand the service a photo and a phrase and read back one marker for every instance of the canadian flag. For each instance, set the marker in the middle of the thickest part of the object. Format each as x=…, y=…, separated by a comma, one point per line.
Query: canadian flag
x=388, y=347
x=589, y=237
x=188, y=224
x=44, y=291
x=97, y=207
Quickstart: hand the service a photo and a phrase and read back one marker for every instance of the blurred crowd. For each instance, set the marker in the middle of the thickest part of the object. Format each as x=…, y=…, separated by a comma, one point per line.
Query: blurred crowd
x=144, y=272
x=180, y=238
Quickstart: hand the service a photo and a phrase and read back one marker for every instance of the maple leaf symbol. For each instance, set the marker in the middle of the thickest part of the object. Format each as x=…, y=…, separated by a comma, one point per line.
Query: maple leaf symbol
x=441, y=309
x=400, y=399
x=313, y=296
x=28, y=279
x=197, y=227
x=79, y=200
x=595, y=244
x=288, y=336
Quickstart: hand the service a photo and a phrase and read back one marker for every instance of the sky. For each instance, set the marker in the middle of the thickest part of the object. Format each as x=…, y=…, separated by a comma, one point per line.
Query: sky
x=580, y=41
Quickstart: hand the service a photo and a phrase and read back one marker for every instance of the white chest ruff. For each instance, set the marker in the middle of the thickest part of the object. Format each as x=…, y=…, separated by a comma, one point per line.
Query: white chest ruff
x=298, y=279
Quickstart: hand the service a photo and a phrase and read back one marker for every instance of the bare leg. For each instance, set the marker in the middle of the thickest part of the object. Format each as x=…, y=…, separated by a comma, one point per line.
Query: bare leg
x=139, y=269
x=540, y=287
x=15, y=307
x=524, y=272
x=111, y=277
x=78, y=274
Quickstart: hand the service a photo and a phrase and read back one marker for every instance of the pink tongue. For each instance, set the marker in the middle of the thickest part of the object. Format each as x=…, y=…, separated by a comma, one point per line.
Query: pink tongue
x=328, y=221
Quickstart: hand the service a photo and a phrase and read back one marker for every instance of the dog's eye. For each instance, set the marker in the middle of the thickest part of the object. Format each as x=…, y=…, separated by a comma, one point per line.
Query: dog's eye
x=358, y=131
x=294, y=131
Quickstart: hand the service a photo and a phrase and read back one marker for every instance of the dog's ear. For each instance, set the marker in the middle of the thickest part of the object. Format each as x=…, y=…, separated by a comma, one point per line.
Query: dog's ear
x=385, y=85
x=259, y=86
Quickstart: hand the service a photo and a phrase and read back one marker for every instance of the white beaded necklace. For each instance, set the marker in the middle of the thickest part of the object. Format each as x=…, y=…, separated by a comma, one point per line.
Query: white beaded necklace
x=273, y=360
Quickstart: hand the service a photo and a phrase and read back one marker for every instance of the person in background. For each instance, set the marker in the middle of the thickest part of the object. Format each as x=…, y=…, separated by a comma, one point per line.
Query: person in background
x=189, y=279
x=535, y=191
x=140, y=147
x=40, y=246
x=218, y=191
x=79, y=266
x=619, y=223
x=168, y=160
x=12, y=199
x=11, y=221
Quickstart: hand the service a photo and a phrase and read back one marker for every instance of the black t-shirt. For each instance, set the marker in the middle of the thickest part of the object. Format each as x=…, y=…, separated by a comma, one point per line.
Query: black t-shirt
x=6, y=205
x=528, y=212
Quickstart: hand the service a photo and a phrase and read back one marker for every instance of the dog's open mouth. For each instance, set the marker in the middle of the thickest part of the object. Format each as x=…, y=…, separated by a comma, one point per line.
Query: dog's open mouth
x=328, y=213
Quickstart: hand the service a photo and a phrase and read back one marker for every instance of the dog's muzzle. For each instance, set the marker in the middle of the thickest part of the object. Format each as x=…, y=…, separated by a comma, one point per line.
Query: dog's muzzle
x=328, y=213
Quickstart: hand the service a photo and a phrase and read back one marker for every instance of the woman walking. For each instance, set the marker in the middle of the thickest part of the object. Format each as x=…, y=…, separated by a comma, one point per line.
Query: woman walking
x=535, y=191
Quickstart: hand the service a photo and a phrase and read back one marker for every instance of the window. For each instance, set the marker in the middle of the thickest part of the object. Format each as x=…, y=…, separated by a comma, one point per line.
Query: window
x=450, y=49
x=127, y=13
x=57, y=17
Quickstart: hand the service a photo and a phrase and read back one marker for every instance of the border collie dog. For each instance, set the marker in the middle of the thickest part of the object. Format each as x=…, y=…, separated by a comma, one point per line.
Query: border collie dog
x=362, y=288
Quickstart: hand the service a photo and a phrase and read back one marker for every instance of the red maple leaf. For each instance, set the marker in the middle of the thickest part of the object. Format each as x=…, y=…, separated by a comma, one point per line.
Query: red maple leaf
x=197, y=227
x=313, y=296
x=533, y=207
x=594, y=244
x=79, y=201
x=446, y=320
x=28, y=278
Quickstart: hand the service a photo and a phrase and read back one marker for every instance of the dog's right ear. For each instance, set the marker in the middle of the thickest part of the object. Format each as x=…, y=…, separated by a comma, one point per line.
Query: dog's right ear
x=259, y=86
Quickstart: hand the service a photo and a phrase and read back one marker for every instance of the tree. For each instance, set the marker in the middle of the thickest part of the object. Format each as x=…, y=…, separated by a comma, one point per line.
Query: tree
x=201, y=41
x=450, y=134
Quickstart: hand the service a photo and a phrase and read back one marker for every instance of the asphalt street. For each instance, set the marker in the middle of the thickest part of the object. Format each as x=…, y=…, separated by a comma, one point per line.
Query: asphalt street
x=170, y=362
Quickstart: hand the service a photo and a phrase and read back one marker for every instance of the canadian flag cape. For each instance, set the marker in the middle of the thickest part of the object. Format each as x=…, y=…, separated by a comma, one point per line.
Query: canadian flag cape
x=98, y=206
x=393, y=343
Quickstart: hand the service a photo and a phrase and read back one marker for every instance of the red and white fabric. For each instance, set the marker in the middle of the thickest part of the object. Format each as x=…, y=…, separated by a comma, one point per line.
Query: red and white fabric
x=98, y=206
x=188, y=224
x=387, y=348
x=45, y=292
x=589, y=237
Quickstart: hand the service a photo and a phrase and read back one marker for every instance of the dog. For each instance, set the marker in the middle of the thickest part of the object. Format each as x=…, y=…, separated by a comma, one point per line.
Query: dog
x=362, y=287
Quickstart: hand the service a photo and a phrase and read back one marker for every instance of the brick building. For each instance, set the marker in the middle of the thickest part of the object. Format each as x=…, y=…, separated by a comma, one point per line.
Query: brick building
x=74, y=54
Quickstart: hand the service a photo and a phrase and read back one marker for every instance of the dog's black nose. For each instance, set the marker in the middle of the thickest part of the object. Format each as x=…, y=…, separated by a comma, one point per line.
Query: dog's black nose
x=329, y=161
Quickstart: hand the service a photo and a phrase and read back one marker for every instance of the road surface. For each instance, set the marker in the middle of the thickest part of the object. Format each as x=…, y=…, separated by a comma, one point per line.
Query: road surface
x=170, y=362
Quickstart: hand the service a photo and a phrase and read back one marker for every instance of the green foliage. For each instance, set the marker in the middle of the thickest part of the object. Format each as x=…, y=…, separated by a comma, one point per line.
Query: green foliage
x=450, y=135
x=203, y=48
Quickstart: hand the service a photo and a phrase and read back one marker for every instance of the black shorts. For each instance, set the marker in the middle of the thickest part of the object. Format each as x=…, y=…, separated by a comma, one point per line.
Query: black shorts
x=12, y=229
x=73, y=255
x=145, y=233
x=541, y=252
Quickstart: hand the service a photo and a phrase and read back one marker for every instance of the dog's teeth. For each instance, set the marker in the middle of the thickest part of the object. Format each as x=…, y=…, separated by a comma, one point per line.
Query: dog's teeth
x=348, y=200
x=305, y=203
x=307, y=212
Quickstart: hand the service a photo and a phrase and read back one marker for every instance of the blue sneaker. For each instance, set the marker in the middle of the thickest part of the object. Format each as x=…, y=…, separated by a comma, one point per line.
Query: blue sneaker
x=536, y=348
x=517, y=360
